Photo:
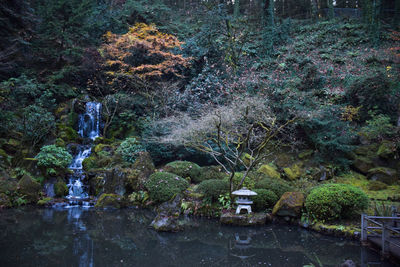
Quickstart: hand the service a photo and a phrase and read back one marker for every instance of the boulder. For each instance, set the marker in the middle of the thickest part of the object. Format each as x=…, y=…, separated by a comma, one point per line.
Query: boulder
x=166, y=224
x=270, y=171
x=167, y=219
x=108, y=181
x=29, y=188
x=230, y=218
x=293, y=172
x=363, y=164
x=290, y=204
x=382, y=174
x=7, y=184
x=109, y=201
x=386, y=150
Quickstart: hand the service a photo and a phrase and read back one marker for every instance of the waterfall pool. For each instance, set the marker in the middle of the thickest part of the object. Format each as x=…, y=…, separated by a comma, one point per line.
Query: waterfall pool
x=90, y=237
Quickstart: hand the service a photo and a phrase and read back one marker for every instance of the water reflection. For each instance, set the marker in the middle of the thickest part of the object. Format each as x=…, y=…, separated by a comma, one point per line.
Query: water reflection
x=79, y=237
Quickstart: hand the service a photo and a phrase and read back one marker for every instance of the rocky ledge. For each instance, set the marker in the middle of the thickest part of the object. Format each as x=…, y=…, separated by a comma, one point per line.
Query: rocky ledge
x=231, y=218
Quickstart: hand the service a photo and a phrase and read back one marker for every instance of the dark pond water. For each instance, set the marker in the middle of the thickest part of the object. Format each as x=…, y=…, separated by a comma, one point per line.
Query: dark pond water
x=79, y=237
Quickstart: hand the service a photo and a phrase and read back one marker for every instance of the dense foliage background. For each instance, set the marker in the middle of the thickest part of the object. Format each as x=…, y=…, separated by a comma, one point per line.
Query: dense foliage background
x=331, y=68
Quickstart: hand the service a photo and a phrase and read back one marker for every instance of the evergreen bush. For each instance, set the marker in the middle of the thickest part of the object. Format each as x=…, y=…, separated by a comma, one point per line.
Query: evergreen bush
x=53, y=157
x=184, y=169
x=264, y=199
x=162, y=186
x=278, y=186
x=129, y=149
x=335, y=201
x=213, y=188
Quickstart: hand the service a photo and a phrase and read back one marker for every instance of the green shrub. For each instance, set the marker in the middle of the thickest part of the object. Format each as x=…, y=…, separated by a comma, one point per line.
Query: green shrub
x=377, y=127
x=162, y=186
x=208, y=173
x=53, y=157
x=184, y=169
x=278, y=186
x=129, y=149
x=374, y=91
x=265, y=199
x=213, y=188
x=335, y=201
x=37, y=123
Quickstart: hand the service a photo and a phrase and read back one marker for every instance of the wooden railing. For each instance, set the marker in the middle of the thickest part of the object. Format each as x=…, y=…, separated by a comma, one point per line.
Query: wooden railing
x=384, y=230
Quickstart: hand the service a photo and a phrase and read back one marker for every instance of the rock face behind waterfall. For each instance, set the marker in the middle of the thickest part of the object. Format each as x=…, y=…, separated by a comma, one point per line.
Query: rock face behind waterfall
x=89, y=129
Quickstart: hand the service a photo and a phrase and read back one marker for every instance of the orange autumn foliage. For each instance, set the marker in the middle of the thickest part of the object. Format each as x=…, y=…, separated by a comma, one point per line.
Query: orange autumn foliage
x=143, y=52
x=395, y=36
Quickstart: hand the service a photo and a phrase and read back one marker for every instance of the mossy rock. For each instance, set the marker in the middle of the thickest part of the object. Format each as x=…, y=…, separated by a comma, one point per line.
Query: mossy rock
x=269, y=170
x=95, y=162
x=60, y=188
x=376, y=186
x=67, y=133
x=183, y=169
x=383, y=174
x=29, y=188
x=100, y=147
x=283, y=160
x=8, y=185
x=290, y=204
x=44, y=201
x=386, y=150
x=305, y=154
x=293, y=172
x=145, y=166
x=363, y=164
x=109, y=201
x=210, y=172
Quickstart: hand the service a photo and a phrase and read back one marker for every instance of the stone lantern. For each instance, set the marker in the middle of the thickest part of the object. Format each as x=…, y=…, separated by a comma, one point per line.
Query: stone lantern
x=243, y=201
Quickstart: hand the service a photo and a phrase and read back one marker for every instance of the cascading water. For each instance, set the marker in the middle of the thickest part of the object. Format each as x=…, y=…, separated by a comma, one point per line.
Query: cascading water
x=88, y=128
x=89, y=122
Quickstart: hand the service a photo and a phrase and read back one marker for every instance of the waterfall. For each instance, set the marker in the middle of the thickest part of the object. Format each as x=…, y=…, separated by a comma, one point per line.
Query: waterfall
x=89, y=121
x=88, y=128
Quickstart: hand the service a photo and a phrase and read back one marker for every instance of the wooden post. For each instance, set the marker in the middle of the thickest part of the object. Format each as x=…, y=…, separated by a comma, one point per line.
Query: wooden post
x=363, y=228
x=385, y=239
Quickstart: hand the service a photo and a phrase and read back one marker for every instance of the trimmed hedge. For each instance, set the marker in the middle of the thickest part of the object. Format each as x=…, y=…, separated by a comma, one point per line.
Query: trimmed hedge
x=213, y=188
x=183, y=169
x=335, y=201
x=162, y=186
x=265, y=199
x=278, y=186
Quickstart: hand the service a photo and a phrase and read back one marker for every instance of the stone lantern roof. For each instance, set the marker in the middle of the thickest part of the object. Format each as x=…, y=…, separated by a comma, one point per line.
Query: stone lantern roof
x=244, y=192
